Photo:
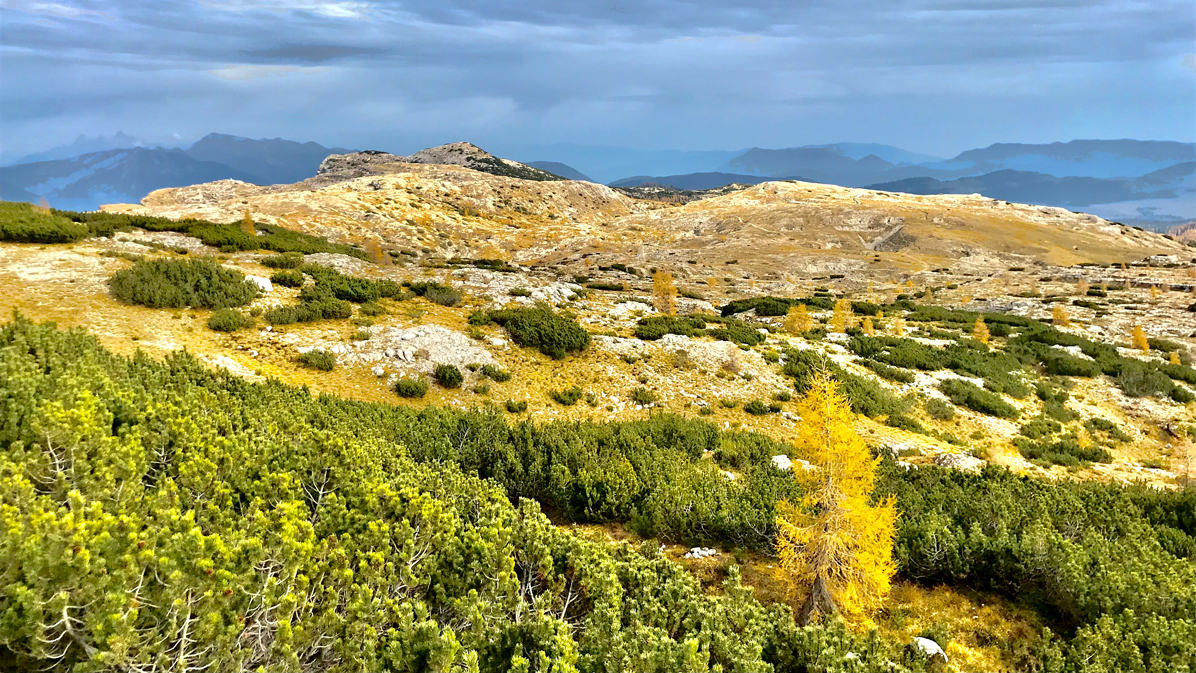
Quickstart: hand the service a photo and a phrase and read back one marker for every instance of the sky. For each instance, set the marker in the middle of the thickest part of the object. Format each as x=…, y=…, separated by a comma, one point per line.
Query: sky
x=931, y=76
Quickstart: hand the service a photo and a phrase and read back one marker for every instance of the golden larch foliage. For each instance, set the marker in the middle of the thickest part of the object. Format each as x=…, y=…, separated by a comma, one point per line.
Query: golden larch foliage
x=247, y=225
x=1104, y=286
x=664, y=293
x=834, y=542
x=980, y=331
x=841, y=317
x=798, y=320
x=377, y=255
x=867, y=327
x=1175, y=358
x=899, y=326
x=1139, y=339
x=1081, y=287
x=1155, y=292
x=1059, y=316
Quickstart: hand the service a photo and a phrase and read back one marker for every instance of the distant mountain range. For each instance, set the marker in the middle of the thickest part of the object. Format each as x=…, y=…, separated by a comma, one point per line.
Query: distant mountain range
x=557, y=168
x=1068, y=192
x=86, y=181
x=1132, y=181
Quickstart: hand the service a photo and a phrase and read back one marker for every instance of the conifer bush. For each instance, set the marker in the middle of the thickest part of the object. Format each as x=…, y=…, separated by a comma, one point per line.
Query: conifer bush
x=516, y=407
x=566, y=396
x=26, y=223
x=287, y=260
x=173, y=283
x=318, y=359
x=495, y=374
x=288, y=278
x=448, y=376
x=410, y=388
x=539, y=327
x=967, y=394
x=229, y=320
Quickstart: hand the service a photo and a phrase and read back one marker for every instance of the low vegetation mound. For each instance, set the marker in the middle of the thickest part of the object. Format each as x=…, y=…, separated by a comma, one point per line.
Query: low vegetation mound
x=554, y=334
x=26, y=223
x=175, y=283
x=237, y=514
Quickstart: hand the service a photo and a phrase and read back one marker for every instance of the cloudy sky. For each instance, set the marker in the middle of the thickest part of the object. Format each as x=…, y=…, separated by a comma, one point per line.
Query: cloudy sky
x=934, y=76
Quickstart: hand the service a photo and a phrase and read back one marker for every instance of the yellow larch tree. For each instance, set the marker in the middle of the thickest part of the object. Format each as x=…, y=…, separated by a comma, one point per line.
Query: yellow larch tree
x=798, y=320
x=1059, y=316
x=377, y=255
x=899, y=326
x=866, y=326
x=664, y=293
x=834, y=542
x=980, y=331
x=247, y=225
x=1175, y=358
x=1139, y=339
x=841, y=317
x=1155, y=292
x=1081, y=287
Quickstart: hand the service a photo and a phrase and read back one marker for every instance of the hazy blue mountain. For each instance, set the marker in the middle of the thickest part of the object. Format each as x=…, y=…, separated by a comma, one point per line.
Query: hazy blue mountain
x=1080, y=158
x=893, y=155
x=1038, y=188
x=114, y=176
x=695, y=181
x=82, y=145
x=128, y=174
x=606, y=164
x=270, y=161
x=563, y=170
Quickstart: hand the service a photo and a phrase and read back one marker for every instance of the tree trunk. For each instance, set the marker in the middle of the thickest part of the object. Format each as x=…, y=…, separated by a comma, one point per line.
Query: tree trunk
x=818, y=603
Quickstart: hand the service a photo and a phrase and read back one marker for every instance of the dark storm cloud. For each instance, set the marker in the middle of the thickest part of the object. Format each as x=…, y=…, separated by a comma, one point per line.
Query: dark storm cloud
x=933, y=75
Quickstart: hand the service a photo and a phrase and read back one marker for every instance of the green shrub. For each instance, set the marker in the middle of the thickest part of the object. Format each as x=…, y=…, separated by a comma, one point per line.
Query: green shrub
x=24, y=223
x=288, y=278
x=642, y=395
x=479, y=318
x=516, y=407
x=173, y=283
x=229, y=320
x=705, y=411
x=1139, y=380
x=311, y=311
x=783, y=396
x=1063, y=451
x=287, y=260
x=520, y=292
x=373, y=309
x=410, y=388
x=608, y=287
x=567, y=397
x=756, y=408
x=968, y=394
x=654, y=327
x=437, y=293
x=940, y=410
x=890, y=373
x=539, y=327
x=448, y=376
x=903, y=422
x=496, y=374
x=317, y=359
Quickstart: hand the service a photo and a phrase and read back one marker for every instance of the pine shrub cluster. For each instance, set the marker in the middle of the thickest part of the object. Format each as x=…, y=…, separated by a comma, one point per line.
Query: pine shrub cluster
x=174, y=283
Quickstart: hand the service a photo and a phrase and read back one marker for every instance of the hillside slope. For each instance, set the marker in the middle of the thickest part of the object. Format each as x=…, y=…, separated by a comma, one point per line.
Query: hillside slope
x=770, y=230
